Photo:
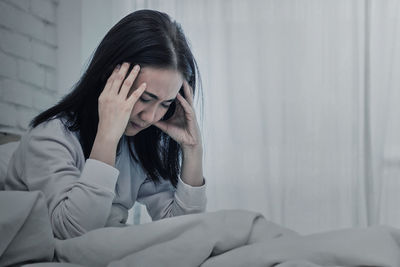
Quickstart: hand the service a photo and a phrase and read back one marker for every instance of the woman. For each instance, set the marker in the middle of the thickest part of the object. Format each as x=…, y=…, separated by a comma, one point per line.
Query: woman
x=126, y=133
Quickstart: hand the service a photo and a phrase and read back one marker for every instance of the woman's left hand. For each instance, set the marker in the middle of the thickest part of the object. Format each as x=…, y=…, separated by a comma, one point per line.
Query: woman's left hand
x=183, y=126
x=184, y=129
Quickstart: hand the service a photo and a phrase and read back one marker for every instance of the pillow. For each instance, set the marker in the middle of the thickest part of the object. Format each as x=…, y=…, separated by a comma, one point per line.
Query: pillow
x=6, y=151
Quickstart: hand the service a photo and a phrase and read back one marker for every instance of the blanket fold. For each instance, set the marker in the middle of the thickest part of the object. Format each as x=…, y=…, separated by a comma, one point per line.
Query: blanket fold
x=214, y=239
x=25, y=230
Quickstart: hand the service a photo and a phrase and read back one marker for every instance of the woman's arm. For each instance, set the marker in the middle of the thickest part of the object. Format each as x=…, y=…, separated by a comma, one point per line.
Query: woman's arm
x=192, y=166
x=79, y=193
x=104, y=149
x=184, y=129
x=115, y=107
x=163, y=200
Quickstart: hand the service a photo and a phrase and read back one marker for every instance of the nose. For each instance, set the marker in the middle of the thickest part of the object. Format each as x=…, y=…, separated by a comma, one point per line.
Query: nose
x=148, y=114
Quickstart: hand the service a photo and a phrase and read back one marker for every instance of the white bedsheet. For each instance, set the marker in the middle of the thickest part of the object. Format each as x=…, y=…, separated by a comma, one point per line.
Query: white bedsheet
x=223, y=238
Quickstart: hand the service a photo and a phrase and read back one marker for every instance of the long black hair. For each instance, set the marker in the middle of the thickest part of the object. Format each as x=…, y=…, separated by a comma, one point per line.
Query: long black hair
x=148, y=38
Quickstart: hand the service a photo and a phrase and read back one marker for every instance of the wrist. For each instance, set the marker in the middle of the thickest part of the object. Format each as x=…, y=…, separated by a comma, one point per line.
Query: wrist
x=104, y=149
x=104, y=137
x=192, y=150
x=192, y=166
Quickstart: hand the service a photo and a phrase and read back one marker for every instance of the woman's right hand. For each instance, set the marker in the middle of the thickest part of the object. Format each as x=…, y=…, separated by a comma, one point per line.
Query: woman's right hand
x=115, y=106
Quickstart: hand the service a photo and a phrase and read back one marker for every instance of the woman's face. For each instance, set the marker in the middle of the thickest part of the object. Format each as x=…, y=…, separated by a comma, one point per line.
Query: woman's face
x=162, y=87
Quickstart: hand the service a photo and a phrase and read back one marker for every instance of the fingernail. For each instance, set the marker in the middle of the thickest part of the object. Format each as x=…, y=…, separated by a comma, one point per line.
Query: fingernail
x=136, y=67
x=144, y=84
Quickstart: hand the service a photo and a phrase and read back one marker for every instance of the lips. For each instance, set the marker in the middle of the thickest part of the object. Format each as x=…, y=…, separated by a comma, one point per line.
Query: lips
x=136, y=125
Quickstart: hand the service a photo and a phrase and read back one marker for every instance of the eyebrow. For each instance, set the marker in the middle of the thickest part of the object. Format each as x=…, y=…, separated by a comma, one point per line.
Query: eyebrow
x=156, y=97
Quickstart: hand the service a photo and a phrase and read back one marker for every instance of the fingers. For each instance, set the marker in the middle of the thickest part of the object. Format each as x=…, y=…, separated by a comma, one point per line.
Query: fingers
x=118, y=78
x=137, y=93
x=110, y=79
x=188, y=92
x=126, y=86
x=186, y=106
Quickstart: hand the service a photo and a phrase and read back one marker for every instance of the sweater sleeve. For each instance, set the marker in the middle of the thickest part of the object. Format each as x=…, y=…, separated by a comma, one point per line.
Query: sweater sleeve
x=79, y=199
x=163, y=200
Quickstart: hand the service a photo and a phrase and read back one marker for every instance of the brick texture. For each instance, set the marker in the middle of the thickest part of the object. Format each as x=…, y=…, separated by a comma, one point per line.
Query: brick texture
x=28, y=61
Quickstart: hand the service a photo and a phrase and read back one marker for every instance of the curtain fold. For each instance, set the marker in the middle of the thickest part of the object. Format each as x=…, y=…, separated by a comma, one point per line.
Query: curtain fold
x=301, y=107
x=385, y=109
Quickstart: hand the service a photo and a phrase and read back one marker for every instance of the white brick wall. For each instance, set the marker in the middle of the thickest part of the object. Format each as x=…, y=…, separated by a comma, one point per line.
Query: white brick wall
x=44, y=9
x=8, y=65
x=28, y=61
x=15, y=44
x=31, y=72
x=15, y=92
x=7, y=114
x=44, y=54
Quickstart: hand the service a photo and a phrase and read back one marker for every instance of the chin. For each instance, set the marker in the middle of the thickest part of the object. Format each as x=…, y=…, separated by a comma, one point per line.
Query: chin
x=131, y=132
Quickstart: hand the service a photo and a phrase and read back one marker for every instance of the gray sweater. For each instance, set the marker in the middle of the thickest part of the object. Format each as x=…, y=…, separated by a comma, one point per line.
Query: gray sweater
x=85, y=195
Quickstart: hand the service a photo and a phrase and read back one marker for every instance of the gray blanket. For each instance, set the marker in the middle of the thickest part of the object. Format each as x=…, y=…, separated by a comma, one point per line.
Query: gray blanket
x=223, y=238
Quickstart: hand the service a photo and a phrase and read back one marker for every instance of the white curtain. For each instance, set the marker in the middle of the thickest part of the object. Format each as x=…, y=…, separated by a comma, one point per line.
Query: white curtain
x=384, y=100
x=301, y=106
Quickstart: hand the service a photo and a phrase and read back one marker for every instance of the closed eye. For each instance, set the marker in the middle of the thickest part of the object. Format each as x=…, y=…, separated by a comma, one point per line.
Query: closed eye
x=144, y=100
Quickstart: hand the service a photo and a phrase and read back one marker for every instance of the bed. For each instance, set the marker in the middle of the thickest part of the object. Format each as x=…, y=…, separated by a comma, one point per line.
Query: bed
x=222, y=238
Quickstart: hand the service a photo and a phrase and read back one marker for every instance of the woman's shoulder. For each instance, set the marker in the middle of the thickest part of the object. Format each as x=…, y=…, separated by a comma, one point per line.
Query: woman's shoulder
x=52, y=132
x=52, y=128
x=49, y=142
